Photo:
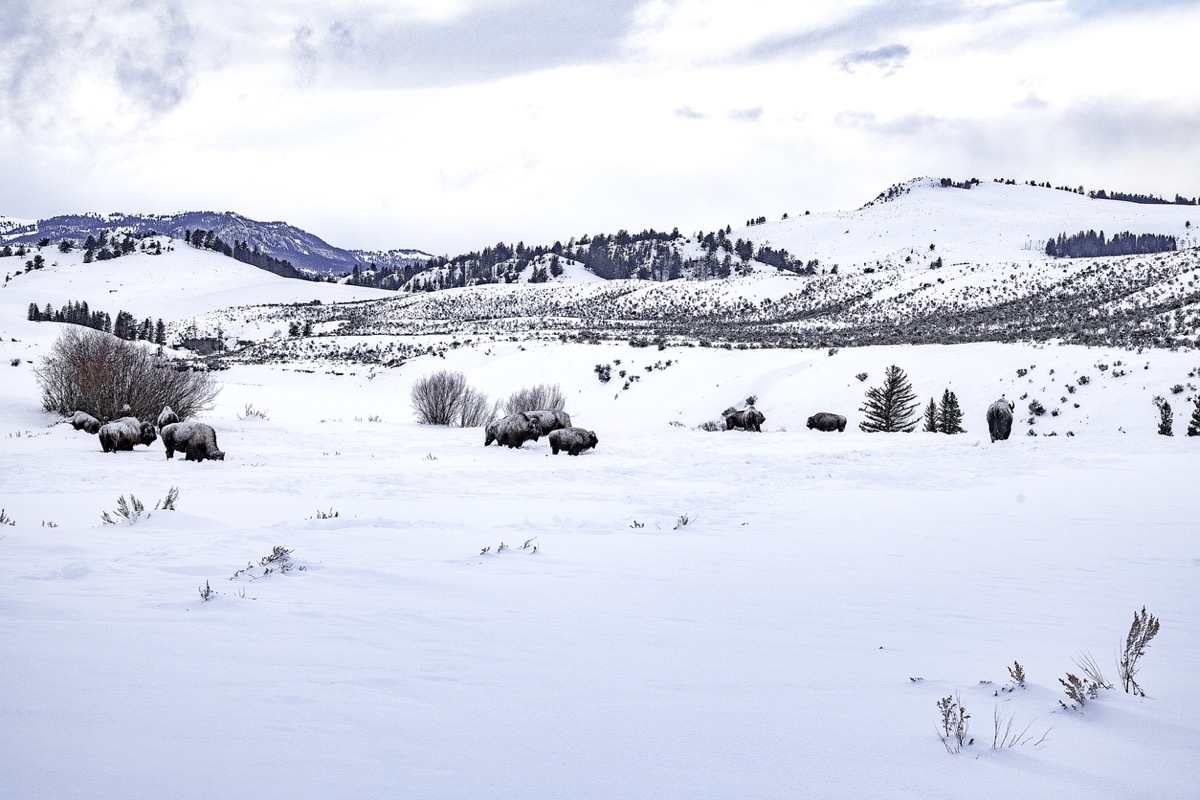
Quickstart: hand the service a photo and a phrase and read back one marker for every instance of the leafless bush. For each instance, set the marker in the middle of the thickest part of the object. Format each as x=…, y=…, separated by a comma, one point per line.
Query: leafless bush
x=535, y=398
x=475, y=409
x=1078, y=691
x=437, y=398
x=168, y=502
x=1143, y=629
x=1003, y=735
x=954, y=724
x=1091, y=670
x=130, y=510
x=254, y=413
x=95, y=372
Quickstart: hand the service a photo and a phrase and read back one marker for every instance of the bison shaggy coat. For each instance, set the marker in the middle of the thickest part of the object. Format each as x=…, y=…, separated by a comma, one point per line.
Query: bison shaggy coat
x=196, y=440
x=750, y=419
x=167, y=417
x=124, y=433
x=999, y=419
x=512, y=431
x=549, y=419
x=81, y=420
x=573, y=440
x=824, y=421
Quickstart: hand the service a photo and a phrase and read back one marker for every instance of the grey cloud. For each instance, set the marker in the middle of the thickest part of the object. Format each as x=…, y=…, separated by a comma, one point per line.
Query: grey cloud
x=886, y=59
x=908, y=125
x=491, y=43
x=1103, y=8
x=141, y=47
x=687, y=112
x=746, y=114
x=1031, y=102
x=1121, y=127
x=156, y=72
x=862, y=28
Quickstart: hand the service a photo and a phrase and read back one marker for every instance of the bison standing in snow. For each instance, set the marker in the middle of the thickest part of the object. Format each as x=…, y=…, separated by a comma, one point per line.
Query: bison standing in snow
x=549, y=419
x=167, y=417
x=999, y=418
x=824, y=421
x=124, y=433
x=512, y=431
x=196, y=440
x=750, y=419
x=573, y=440
x=81, y=420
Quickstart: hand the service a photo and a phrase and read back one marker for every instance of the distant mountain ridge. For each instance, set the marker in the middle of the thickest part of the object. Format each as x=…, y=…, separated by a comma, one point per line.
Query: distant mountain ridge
x=307, y=252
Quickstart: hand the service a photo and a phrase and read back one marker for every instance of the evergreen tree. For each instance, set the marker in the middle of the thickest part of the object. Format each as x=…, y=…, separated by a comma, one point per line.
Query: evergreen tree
x=160, y=332
x=1166, y=418
x=890, y=408
x=933, y=422
x=950, y=414
x=1194, y=424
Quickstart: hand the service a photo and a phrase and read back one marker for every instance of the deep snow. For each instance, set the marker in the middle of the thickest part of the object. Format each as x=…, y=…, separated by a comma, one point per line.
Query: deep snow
x=791, y=640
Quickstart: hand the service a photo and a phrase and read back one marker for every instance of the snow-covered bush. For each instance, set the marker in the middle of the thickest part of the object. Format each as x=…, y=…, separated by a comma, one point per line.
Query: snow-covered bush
x=543, y=397
x=107, y=377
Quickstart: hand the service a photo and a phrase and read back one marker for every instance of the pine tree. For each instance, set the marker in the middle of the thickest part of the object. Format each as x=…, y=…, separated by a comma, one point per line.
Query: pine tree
x=932, y=421
x=1194, y=424
x=950, y=414
x=1166, y=418
x=890, y=408
x=160, y=332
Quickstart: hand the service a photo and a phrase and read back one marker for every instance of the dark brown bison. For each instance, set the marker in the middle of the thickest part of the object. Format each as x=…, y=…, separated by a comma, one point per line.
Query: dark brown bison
x=512, y=431
x=124, y=433
x=549, y=419
x=196, y=440
x=824, y=421
x=83, y=421
x=573, y=440
x=750, y=419
x=167, y=417
x=999, y=418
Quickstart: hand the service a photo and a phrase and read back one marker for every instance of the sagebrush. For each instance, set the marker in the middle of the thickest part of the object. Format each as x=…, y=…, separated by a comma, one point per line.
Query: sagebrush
x=95, y=372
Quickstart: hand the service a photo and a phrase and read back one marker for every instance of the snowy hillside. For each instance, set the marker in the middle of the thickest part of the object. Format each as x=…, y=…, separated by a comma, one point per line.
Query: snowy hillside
x=989, y=223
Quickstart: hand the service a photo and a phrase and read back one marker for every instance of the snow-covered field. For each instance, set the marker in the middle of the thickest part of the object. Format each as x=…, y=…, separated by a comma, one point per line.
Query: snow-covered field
x=677, y=614
x=792, y=639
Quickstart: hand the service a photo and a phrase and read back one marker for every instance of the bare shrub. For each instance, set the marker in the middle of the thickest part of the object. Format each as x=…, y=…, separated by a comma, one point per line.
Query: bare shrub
x=1143, y=629
x=954, y=724
x=543, y=397
x=95, y=372
x=475, y=409
x=437, y=398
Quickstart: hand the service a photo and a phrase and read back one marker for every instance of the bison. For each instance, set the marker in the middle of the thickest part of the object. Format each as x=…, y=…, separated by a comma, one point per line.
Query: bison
x=573, y=440
x=167, y=417
x=512, y=431
x=999, y=418
x=824, y=421
x=750, y=419
x=81, y=420
x=550, y=420
x=124, y=433
x=196, y=440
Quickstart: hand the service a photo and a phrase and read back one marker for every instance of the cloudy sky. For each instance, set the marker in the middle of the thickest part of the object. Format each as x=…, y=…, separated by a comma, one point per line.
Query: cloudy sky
x=447, y=125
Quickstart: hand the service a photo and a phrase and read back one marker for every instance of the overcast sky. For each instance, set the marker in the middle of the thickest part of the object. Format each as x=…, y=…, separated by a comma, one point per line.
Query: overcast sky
x=448, y=125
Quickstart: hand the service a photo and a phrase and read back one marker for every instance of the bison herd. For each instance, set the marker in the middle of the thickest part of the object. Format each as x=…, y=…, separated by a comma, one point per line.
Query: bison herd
x=196, y=440
x=524, y=426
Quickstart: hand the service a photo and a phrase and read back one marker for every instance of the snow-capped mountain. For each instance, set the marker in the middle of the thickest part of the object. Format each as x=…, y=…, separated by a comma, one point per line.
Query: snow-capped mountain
x=307, y=252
